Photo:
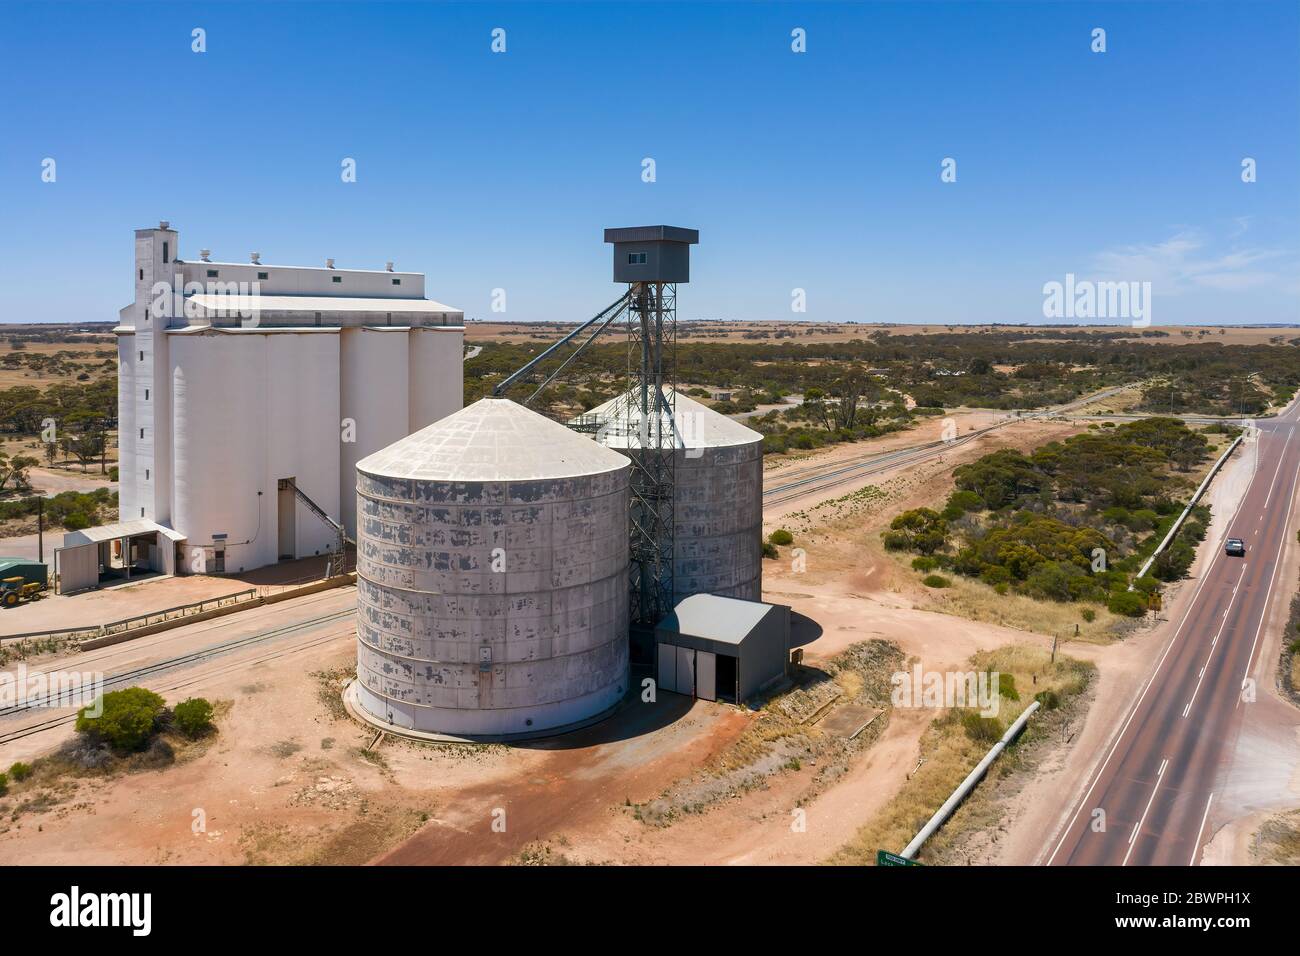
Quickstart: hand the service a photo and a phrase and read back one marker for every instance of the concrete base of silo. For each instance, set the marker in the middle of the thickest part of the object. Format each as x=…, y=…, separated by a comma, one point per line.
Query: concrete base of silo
x=358, y=711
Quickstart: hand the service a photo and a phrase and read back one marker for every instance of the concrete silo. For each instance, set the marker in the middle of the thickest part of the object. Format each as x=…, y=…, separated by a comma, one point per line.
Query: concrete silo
x=492, y=558
x=718, y=497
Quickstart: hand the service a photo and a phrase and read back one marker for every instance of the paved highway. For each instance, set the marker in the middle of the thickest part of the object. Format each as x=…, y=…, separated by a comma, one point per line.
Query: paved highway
x=1157, y=780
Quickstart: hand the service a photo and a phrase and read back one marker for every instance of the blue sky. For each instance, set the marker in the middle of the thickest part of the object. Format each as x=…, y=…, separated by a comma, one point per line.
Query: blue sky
x=817, y=170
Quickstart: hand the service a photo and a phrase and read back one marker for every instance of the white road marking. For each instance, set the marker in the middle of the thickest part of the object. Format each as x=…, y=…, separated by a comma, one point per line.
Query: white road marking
x=1196, y=849
x=1214, y=643
x=1160, y=775
x=1114, y=745
x=1133, y=713
x=1281, y=458
x=1263, y=615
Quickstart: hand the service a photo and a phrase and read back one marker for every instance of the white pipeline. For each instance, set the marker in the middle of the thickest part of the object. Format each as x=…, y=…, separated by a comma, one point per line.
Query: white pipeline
x=967, y=785
x=1190, y=505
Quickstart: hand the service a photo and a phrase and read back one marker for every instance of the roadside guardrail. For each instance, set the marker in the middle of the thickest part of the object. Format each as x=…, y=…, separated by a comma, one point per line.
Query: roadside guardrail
x=1173, y=530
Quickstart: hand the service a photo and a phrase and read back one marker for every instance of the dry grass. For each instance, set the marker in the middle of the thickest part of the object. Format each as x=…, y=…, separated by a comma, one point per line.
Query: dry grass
x=977, y=601
x=950, y=752
x=350, y=843
x=81, y=358
x=781, y=739
x=1117, y=404
x=1277, y=841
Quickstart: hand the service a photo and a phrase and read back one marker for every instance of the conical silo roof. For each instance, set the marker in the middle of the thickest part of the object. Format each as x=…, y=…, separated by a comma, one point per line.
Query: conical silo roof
x=698, y=426
x=492, y=440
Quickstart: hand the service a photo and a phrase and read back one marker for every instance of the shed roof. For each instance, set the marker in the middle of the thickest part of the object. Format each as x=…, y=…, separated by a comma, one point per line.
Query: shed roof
x=7, y=564
x=714, y=617
x=122, y=529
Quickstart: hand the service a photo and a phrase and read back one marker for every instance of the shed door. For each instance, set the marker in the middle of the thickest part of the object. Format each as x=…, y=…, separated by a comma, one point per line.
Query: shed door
x=667, y=667
x=686, y=671
x=706, y=680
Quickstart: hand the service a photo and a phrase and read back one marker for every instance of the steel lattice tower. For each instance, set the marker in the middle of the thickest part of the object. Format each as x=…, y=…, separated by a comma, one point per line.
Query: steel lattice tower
x=651, y=260
x=651, y=354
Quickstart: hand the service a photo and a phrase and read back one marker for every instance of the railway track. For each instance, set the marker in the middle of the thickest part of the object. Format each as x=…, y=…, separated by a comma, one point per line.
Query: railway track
x=823, y=478
x=136, y=674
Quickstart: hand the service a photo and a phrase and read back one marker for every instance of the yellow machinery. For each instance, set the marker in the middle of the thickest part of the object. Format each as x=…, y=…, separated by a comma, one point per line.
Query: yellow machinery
x=13, y=591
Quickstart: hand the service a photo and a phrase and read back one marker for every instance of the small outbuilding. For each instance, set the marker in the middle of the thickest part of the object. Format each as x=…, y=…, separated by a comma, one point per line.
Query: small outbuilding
x=115, y=552
x=722, y=648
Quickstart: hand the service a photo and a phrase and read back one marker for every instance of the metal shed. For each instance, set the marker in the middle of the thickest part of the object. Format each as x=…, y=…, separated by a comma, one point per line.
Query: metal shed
x=112, y=552
x=722, y=648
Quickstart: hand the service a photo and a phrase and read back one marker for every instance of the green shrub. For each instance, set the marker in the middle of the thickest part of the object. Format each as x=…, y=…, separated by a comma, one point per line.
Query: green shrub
x=995, y=574
x=982, y=730
x=769, y=550
x=965, y=500
x=128, y=720
x=920, y=529
x=1007, y=687
x=193, y=717
x=1127, y=603
x=1146, y=584
x=4, y=784
x=1048, y=699
x=936, y=581
x=1088, y=614
x=76, y=521
x=20, y=771
x=924, y=563
x=781, y=536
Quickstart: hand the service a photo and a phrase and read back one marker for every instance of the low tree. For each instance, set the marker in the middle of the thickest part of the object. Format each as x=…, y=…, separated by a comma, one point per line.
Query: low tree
x=128, y=719
x=919, y=529
x=13, y=471
x=193, y=717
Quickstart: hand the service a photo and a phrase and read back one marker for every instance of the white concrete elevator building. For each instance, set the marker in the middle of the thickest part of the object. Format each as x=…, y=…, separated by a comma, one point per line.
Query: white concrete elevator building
x=239, y=382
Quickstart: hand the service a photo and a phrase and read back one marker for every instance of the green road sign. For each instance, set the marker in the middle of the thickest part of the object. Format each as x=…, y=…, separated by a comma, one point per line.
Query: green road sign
x=885, y=858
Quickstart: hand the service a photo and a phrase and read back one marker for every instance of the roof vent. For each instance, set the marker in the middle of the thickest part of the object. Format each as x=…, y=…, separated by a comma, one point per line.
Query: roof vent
x=388, y=266
x=329, y=263
x=164, y=224
x=205, y=254
x=256, y=257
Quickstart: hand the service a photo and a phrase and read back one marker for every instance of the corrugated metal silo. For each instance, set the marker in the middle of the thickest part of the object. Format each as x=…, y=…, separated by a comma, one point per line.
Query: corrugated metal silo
x=492, y=558
x=718, y=508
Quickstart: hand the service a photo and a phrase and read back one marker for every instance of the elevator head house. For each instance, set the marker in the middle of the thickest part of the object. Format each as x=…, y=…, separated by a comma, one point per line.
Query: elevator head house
x=722, y=648
x=652, y=253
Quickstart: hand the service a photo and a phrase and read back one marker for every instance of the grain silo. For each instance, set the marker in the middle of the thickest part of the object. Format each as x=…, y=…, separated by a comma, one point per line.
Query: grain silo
x=492, y=563
x=718, y=499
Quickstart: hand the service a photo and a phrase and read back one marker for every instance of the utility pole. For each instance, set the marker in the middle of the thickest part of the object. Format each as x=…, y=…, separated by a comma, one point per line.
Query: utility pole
x=40, y=528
